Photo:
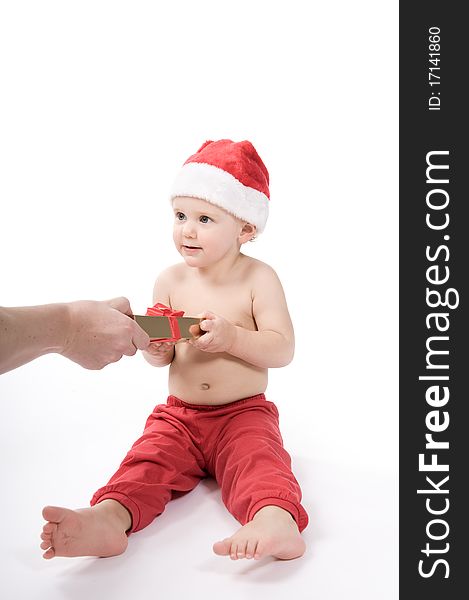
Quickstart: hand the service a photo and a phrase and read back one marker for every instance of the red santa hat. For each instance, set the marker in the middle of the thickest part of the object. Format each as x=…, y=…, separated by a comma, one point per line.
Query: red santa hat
x=230, y=175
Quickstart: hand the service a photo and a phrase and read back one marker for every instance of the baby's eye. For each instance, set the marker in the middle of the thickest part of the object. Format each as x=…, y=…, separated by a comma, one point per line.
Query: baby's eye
x=205, y=219
x=180, y=216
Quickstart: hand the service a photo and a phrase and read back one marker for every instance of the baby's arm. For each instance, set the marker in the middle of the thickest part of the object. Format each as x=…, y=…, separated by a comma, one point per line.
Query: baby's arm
x=272, y=345
x=160, y=354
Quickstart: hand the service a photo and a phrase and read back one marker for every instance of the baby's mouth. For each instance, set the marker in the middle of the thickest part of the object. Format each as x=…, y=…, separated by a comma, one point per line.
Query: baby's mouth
x=191, y=247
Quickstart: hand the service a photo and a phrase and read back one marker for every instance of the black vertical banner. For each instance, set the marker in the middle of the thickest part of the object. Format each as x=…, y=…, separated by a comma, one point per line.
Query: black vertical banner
x=434, y=259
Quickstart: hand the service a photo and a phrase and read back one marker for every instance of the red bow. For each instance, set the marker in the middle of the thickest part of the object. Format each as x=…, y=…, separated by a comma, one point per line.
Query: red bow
x=160, y=310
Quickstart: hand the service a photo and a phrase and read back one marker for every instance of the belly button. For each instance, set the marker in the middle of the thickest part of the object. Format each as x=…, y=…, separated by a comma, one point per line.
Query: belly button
x=204, y=386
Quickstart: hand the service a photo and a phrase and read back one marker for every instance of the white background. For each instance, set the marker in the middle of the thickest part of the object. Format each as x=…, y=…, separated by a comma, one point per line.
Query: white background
x=100, y=104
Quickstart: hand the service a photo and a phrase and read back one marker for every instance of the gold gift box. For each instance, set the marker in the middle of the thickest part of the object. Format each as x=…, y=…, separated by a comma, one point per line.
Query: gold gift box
x=159, y=327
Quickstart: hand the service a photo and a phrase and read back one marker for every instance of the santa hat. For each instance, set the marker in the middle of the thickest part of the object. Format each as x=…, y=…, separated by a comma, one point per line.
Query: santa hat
x=230, y=175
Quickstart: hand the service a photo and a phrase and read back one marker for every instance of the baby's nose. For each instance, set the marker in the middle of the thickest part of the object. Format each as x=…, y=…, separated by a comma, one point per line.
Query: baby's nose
x=189, y=229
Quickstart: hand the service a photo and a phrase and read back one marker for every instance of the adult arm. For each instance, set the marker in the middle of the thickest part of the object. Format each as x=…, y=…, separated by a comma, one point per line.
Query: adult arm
x=90, y=333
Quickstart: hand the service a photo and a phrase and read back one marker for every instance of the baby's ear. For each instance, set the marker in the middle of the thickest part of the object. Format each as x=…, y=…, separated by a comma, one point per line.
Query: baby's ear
x=248, y=233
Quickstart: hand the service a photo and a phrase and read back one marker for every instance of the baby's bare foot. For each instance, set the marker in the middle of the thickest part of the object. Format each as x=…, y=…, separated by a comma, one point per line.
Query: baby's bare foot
x=96, y=531
x=272, y=532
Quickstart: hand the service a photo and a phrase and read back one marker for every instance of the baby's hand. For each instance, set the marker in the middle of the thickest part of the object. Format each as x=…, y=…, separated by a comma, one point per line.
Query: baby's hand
x=160, y=348
x=219, y=337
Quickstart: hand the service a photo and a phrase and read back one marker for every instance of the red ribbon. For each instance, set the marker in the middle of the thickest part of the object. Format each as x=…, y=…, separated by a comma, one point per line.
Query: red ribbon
x=160, y=310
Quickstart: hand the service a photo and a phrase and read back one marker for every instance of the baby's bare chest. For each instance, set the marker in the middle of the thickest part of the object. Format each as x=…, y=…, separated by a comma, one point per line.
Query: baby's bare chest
x=233, y=302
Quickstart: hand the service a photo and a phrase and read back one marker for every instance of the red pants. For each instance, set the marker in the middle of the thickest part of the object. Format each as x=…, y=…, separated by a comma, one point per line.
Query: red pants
x=239, y=444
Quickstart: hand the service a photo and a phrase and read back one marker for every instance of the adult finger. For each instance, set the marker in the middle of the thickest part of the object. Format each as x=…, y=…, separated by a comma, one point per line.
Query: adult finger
x=140, y=338
x=122, y=305
x=112, y=359
x=130, y=350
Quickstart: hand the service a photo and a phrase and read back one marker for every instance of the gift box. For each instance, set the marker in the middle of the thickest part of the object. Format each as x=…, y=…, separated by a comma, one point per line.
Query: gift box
x=163, y=324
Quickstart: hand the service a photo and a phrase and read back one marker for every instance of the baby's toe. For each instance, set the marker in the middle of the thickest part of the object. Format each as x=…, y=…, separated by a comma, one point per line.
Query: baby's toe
x=222, y=548
x=251, y=548
x=241, y=552
x=260, y=550
x=234, y=551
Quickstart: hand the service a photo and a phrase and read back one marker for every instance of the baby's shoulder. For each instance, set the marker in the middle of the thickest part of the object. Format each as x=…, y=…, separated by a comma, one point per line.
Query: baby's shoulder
x=259, y=271
x=166, y=282
x=173, y=273
x=266, y=287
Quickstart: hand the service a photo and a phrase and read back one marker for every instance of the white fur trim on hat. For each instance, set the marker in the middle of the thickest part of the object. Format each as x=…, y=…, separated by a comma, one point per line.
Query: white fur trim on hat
x=200, y=180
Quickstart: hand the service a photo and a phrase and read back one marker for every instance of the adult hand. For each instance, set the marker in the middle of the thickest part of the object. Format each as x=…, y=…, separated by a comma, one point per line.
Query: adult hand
x=92, y=334
x=100, y=333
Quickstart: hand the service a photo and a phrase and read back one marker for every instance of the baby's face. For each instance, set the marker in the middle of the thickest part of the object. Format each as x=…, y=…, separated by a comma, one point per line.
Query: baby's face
x=203, y=233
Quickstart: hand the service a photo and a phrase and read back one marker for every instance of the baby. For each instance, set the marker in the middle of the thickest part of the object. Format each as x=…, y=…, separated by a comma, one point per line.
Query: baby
x=216, y=421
